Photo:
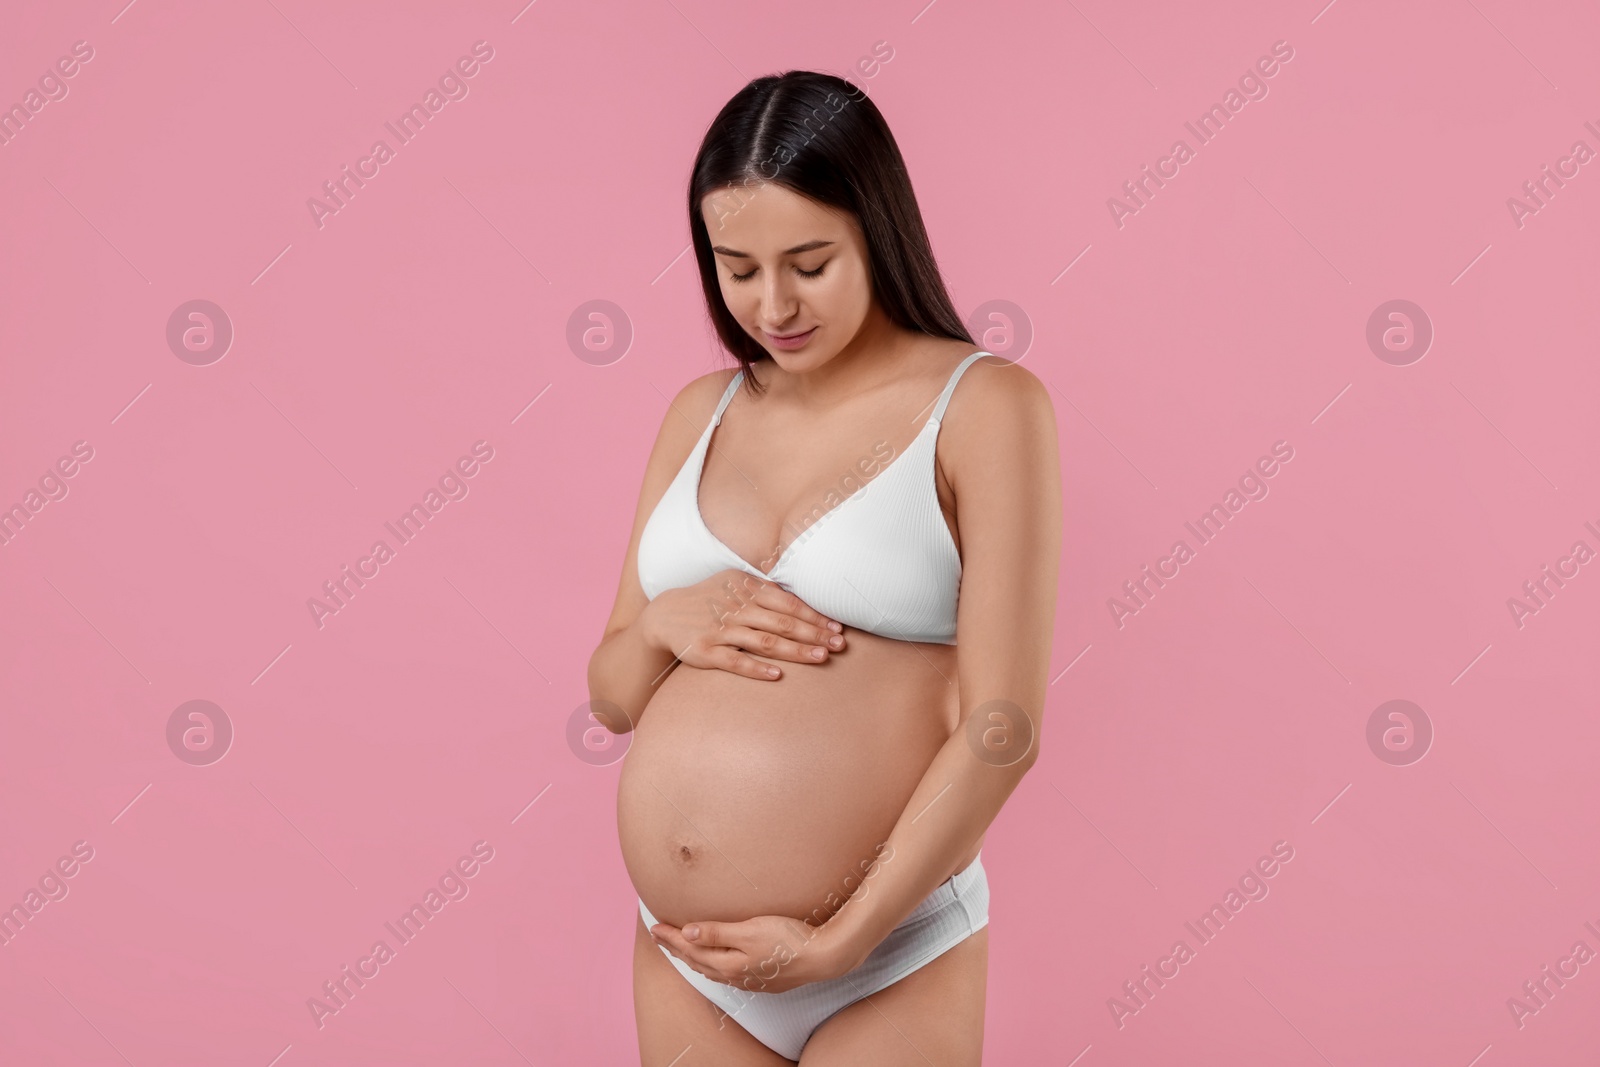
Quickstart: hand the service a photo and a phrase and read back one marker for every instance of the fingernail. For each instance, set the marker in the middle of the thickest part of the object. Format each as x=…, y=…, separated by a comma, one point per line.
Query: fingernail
x=772, y=672
x=817, y=653
x=836, y=642
x=692, y=932
x=835, y=627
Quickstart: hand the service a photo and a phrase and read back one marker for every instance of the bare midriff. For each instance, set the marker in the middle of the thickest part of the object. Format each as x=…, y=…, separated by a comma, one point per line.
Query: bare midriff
x=741, y=797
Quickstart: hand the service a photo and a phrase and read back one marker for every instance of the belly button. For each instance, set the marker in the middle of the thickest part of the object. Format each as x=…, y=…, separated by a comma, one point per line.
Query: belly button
x=685, y=855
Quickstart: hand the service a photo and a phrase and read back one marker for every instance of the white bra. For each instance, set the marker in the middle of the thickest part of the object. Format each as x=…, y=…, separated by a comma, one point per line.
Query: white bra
x=882, y=560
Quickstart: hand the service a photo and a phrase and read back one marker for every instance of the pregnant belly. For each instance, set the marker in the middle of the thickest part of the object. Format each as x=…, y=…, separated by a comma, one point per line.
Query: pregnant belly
x=740, y=797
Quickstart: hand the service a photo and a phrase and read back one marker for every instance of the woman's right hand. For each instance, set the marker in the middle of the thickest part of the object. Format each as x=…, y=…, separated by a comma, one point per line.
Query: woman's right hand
x=717, y=623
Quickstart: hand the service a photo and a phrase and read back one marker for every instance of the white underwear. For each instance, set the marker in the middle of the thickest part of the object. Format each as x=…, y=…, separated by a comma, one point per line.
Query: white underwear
x=784, y=1022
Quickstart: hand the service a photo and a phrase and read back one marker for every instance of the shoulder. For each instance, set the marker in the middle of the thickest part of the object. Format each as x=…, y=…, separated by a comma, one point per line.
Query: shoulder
x=685, y=418
x=999, y=449
x=689, y=412
x=700, y=395
x=998, y=435
x=997, y=397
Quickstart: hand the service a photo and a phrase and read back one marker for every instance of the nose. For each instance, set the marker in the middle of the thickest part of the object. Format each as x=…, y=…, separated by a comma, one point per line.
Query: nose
x=777, y=302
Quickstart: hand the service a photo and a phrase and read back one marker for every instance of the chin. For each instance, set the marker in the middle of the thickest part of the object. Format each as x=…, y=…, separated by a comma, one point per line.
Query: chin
x=796, y=363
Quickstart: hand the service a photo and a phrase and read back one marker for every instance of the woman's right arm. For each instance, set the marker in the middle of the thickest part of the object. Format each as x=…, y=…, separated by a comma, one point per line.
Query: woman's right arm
x=646, y=639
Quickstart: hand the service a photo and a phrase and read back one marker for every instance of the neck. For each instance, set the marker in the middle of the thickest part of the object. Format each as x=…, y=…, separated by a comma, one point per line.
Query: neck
x=876, y=354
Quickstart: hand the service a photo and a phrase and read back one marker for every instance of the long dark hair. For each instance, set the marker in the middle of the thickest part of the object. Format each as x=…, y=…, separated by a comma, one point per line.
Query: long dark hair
x=825, y=139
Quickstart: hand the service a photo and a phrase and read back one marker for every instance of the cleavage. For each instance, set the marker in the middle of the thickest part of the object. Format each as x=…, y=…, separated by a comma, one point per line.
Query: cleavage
x=758, y=496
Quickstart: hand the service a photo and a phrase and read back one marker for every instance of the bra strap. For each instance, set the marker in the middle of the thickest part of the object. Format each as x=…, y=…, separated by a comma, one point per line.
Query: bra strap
x=727, y=396
x=950, y=386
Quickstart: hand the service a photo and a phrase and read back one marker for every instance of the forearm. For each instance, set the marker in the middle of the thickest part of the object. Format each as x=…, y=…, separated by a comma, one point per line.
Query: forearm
x=625, y=671
x=954, y=804
x=1007, y=483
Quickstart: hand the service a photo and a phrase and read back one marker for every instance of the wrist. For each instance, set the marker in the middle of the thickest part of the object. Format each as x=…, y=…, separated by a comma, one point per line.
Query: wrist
x=839, y=946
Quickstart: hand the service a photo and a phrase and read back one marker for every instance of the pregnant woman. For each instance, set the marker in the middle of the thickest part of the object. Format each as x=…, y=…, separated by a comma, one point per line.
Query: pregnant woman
x=832, y=631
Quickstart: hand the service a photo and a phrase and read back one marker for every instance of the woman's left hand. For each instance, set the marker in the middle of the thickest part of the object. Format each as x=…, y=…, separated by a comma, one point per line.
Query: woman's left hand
x=766, y=954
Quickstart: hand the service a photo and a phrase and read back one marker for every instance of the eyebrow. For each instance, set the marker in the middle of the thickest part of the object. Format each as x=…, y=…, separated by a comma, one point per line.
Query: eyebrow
x=795, y=251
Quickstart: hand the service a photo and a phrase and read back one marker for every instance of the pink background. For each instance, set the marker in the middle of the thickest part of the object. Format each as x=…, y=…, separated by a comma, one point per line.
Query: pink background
x=430, y=312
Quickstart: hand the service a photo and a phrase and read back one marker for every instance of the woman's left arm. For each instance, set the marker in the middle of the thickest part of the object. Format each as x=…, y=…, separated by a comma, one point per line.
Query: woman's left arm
x=1004, y=467
x=1005, y=470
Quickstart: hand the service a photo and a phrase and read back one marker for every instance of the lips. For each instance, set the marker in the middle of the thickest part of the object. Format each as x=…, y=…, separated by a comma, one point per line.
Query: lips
x=792, y=341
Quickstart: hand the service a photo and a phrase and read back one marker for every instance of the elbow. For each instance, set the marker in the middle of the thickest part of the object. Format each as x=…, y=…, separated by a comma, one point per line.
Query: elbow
x=1028, y=760
x=1018, y=765
x=608, y=714
x=608, y=704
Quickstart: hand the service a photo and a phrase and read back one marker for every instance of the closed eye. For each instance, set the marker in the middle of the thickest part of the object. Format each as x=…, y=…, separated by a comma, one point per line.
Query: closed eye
x=797, y=270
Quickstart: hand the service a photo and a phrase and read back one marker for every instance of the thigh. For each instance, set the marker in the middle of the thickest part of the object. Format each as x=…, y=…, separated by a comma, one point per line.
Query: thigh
x=680, y=1027
x=934, y=1015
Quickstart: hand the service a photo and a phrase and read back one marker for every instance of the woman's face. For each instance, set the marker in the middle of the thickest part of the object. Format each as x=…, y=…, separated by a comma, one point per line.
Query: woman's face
x=789, y=266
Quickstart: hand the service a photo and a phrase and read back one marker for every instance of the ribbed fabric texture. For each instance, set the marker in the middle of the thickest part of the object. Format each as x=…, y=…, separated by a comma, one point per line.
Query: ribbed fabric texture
x=881, y=560
x=785, y=1021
